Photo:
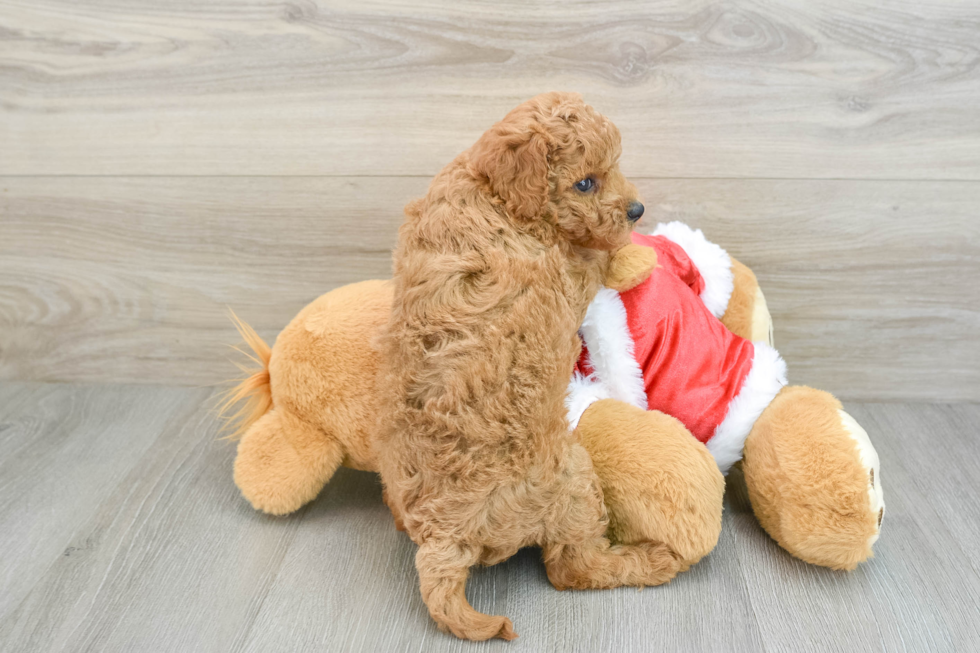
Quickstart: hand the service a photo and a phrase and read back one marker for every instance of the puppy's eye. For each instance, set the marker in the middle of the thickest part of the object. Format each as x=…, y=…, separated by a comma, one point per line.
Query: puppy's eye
x=585, y=185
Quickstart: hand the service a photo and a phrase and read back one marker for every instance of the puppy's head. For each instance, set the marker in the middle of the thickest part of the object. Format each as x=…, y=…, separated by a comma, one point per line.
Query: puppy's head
x=555, y=158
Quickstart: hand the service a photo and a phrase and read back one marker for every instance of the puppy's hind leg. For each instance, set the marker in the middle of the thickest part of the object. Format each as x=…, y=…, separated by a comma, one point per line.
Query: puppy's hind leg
x=443, y=569
x=578, y=556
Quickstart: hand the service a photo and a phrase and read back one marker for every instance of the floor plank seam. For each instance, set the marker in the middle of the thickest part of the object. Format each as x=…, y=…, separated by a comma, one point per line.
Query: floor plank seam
x=241, y=642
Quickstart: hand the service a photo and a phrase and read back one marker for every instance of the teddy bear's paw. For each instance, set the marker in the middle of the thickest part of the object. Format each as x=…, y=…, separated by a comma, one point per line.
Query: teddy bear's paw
x=871, y=464
x=278, y=477
x=630, y=266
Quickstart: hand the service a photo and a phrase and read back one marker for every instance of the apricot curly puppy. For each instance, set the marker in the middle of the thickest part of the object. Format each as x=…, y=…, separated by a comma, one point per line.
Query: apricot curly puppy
x=494, y=270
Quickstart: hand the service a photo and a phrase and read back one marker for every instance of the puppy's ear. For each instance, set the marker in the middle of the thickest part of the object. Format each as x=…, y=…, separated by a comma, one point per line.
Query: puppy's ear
x=513, y=159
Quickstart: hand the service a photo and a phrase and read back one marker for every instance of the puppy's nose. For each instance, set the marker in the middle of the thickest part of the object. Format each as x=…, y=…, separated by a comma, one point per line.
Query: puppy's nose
x=634, y=211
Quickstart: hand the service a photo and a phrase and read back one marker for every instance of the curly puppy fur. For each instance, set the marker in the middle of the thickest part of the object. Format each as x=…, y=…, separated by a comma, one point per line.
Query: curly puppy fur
x=494, y=269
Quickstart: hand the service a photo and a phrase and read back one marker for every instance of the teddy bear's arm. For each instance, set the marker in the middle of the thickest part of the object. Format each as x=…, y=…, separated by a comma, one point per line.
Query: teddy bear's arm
x=630, y=266
x=747, y=314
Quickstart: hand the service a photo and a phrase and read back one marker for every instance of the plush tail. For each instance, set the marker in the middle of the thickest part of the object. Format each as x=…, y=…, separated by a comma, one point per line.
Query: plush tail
x=254, y=392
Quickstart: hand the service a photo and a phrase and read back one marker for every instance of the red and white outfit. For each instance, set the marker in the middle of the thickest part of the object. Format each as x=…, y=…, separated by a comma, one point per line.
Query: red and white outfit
x=660, y=346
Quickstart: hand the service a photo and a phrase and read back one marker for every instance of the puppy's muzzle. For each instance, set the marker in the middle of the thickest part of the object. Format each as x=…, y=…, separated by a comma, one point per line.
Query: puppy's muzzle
x=634, y=212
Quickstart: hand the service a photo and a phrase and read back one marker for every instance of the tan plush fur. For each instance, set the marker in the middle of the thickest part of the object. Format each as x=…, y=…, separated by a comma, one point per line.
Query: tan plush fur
x=630, y=266
x=321, y=377
x=252, y=394
x=659, y=483
x=806, y=482
x=738, y=315
x=494, y=270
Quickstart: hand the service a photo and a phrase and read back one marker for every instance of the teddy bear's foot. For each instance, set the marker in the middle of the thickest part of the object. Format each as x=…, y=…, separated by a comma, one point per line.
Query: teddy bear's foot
x=813, y=479
x=659, y=483
x=283, y=462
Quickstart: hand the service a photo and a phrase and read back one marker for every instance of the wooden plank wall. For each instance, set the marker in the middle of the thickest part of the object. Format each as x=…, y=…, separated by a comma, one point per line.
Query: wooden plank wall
x=159, y=162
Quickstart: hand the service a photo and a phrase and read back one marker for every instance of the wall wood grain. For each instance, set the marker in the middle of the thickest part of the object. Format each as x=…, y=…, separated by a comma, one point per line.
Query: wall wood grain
x=787, y=89
x=159, y=162
x=872, y=285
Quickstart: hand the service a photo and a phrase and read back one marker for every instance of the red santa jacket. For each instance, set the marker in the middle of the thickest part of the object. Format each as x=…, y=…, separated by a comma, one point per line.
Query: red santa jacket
x=661, y=346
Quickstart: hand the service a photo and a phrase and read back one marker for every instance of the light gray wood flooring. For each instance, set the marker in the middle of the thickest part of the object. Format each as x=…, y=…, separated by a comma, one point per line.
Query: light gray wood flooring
x=121, y=530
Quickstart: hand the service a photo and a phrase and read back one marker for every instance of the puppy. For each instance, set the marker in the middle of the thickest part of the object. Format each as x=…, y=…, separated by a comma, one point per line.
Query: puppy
x=494, y=270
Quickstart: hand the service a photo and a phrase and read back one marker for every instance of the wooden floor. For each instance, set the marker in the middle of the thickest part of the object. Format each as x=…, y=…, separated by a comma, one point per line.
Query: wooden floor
x=122, y=531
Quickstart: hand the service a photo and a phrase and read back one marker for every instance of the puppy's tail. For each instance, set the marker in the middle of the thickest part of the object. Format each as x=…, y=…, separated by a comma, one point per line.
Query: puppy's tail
x=254, y=391
x=443, y=569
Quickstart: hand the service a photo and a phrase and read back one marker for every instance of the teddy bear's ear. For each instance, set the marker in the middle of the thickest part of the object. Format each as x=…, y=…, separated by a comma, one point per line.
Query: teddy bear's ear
x=512, y=157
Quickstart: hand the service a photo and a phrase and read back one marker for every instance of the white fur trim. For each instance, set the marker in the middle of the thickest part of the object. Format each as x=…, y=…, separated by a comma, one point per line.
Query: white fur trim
x=713, y=263
x=617, y=374
x=583, y=391
x=610, y=345
x=766, y=378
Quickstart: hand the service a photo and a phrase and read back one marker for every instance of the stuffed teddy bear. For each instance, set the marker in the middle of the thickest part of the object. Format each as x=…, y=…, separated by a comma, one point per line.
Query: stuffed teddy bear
x=694, y=341
x=677, y=381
